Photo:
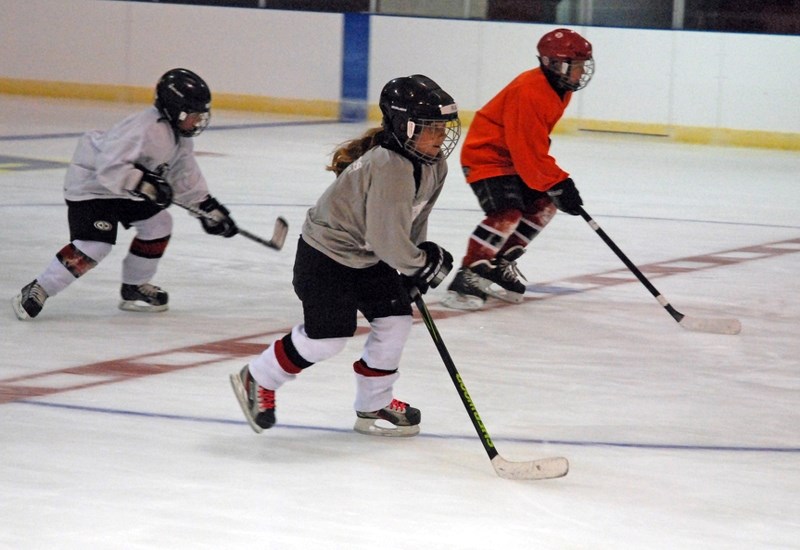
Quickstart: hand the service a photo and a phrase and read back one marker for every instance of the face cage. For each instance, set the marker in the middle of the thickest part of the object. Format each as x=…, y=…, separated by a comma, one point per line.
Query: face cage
x=563, y=69
x=452, y=133
x=201, y=125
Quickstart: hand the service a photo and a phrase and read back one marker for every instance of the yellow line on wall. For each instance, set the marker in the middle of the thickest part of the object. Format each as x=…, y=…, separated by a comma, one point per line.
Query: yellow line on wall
x=686, y=134
x=330, y=109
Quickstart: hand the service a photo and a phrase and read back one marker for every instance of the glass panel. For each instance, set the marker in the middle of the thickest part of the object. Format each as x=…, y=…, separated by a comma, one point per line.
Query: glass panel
x=765, y=16
x=761, y=16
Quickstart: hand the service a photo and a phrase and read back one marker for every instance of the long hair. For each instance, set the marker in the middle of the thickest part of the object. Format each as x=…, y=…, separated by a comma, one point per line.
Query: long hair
x=349, y=151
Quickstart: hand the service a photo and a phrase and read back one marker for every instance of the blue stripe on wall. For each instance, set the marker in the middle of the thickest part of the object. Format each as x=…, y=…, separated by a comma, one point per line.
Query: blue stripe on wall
x=355, y=67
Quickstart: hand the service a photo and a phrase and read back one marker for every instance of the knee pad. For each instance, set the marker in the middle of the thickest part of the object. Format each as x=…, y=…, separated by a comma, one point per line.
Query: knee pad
x=299, y=348
x=540, y=212
x=288, y=356
x=155, y=227
x=500, y=193
x=386, y=341
x=152, y=249
x=493, y=232
x=78, y=257
x=152, y=235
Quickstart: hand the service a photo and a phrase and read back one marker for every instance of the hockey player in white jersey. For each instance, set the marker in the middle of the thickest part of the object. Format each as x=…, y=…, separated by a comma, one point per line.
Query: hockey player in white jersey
x=129, y=175
x=363, y=246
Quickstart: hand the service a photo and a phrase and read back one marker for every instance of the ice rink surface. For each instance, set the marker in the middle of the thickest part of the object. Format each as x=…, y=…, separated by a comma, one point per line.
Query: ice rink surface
x=120, y=430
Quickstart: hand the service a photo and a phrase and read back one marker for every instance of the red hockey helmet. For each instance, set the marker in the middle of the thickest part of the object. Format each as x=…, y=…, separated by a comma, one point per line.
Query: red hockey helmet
x=567, y=56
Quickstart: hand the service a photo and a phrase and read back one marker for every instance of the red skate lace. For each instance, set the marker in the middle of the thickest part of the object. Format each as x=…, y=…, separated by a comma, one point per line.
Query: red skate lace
x=398, y=406
x=266, y=398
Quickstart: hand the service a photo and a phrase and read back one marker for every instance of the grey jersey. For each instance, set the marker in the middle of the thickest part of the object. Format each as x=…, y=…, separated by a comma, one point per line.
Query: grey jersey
x=102, y=166
x=373, y=212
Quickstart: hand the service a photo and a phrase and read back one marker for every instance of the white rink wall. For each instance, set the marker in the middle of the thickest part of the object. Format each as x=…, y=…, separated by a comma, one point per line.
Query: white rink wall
x=694, y=86
x=238, y=51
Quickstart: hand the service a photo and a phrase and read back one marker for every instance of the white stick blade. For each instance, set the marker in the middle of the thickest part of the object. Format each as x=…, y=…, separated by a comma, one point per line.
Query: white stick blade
x=714, y=326
x=544, y=468
x=280, y=232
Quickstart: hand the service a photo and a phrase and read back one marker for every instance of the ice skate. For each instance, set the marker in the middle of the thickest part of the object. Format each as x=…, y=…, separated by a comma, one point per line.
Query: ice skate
x=29, y=302
x=145, y=297
x=397, y=419
x=466, y=291
x=503, y=279
x=258, y=404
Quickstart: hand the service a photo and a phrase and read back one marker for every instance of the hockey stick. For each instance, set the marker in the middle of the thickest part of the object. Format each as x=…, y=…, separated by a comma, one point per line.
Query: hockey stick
x=544, y=468
x=278, y=234
x=716, y=326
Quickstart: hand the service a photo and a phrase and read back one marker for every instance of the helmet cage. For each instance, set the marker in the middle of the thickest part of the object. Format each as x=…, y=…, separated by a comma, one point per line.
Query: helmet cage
x=562, y=70
x=204, y=117
x=414, y=129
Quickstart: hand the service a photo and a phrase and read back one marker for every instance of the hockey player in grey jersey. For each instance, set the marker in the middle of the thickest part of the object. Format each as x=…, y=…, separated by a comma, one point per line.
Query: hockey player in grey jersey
x=363, y=247
x=120, y=176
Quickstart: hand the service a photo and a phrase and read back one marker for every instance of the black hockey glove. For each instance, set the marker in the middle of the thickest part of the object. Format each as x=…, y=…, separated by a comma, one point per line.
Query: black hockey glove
x=218, y=221
x=565, y=196
x=438, y=264
x=153, y=188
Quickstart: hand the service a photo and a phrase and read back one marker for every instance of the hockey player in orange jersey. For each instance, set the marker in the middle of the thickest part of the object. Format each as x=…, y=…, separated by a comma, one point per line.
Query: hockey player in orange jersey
x=506, y=160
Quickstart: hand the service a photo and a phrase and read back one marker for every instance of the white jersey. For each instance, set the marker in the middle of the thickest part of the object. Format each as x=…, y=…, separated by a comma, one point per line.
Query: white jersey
x=102, y=166
x=375, y=211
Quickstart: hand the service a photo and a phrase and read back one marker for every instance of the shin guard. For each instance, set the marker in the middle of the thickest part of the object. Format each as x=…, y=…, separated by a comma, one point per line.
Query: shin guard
x=491, y=235
x=74, y=260
x=533, y=221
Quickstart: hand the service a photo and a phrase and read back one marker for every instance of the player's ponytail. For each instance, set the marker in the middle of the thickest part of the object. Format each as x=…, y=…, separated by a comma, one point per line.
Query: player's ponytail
x=351, y=150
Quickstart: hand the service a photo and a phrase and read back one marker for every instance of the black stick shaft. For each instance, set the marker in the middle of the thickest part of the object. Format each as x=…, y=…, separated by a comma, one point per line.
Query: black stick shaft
x=258, y=239
x=242, y=232
x=678, y=316
x=483, y=434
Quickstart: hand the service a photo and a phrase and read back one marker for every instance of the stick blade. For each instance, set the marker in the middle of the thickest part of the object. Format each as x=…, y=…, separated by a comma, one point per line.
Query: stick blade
x=544, y=468
x=714, y=326
x=280, y=232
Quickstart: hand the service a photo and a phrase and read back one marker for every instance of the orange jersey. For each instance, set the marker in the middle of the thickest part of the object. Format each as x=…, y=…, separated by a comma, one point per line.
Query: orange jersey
x=510, y=135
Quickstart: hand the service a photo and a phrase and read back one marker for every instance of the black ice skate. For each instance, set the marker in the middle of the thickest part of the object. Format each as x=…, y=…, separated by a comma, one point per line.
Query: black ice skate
x=257, y=403
x=466, y=291
x=402, y=419
x=504, y=277
x=145, y=297
x=29, y=302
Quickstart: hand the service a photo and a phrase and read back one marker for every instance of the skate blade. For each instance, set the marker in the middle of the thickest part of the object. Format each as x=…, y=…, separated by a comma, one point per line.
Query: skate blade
x=465, y=302
x=241, y=396
x=502, y=294
x=380, y=427
x=19, y=311
x=142, y=307
x=497, y=291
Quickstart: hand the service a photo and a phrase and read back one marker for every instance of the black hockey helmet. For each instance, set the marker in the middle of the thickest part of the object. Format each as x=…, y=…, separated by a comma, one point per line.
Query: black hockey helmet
x=180, y=92
x=412, y=103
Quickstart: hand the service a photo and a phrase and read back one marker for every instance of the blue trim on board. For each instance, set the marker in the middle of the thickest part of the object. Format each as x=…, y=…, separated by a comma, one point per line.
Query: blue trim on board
x=355, y=67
